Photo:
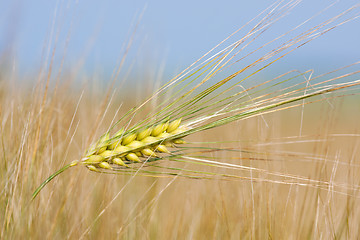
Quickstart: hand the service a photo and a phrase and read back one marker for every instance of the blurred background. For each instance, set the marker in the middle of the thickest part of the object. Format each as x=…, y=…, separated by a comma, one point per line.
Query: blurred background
x=68, y=51
x=165, y=36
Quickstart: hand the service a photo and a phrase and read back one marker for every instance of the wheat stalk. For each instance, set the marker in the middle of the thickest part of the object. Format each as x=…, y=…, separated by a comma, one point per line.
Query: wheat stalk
x=197, y=104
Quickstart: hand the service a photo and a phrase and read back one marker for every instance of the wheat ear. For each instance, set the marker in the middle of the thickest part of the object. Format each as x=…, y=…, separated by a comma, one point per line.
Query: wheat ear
x=196, y=105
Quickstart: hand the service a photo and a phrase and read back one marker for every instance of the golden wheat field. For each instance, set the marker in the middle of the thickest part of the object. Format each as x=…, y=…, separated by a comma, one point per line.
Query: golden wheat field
x=275, y=158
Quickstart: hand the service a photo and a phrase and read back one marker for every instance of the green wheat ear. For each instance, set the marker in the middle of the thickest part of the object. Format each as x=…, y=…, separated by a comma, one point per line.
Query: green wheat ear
x=195, y=105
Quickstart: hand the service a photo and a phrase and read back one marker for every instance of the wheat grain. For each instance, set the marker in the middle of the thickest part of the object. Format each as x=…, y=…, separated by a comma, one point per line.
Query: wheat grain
x=135, y=147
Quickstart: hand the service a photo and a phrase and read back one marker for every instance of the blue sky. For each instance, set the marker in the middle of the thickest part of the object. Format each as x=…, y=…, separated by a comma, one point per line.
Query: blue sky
x=169, y=33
